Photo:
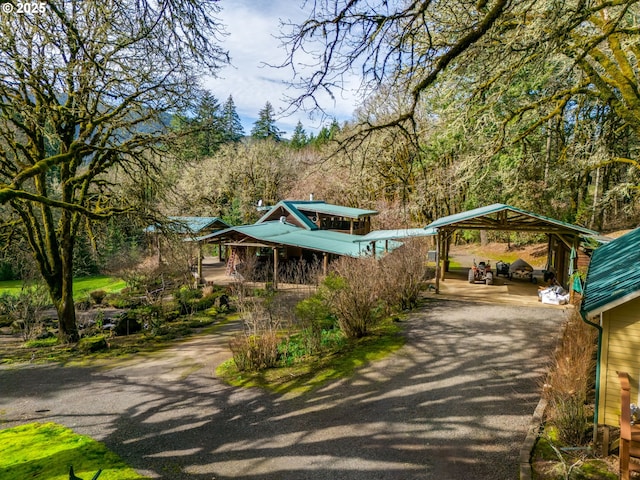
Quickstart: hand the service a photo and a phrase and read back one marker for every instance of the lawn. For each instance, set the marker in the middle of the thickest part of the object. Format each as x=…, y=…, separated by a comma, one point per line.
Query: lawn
x=46, y=451
x=81, y=286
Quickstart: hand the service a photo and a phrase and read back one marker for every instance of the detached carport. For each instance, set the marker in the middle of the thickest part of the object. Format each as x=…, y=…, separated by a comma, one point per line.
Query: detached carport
x=563, y=238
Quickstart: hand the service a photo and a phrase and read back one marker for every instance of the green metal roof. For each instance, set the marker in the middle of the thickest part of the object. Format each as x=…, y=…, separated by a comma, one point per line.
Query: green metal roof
x=281, y=233
x=189, y=224
x=614, y=274
x=293, y=210
x=335, y=210
x=505, y=217
x=380, y=235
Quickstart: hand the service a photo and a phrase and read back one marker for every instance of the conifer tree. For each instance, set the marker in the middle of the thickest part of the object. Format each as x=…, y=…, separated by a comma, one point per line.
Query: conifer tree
x=299, y=138
x=265, y=126
x=231, y=127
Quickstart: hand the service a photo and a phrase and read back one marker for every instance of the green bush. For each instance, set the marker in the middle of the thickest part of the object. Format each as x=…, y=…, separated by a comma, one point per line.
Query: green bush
x=187, y=299
x=297, y=348
x=314, y=316
x=98, y=296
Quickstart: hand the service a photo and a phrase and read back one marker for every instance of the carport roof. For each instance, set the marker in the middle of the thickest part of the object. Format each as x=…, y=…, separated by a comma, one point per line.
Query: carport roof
x=397, y=234
x=505, y=217
x=613, y=277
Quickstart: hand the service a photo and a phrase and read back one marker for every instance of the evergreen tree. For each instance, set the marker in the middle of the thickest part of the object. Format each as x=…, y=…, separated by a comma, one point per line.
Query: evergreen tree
x=230, y=124
x=299, y=138
x=265, y=126
x=326, y=134
x=208, y=125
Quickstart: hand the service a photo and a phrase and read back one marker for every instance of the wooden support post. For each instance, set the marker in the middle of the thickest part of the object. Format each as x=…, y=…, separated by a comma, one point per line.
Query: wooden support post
x=351, y=227
x=443, y=250
x=438, y=263
x=275, y=268
x=200, y=263
x=325, y=263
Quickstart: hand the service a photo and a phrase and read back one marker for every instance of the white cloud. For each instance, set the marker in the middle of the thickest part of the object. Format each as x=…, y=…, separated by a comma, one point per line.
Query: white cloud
x=253, y=26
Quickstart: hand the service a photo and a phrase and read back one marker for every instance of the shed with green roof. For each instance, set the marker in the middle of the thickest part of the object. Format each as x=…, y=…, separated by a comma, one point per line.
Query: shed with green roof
x=611, y=303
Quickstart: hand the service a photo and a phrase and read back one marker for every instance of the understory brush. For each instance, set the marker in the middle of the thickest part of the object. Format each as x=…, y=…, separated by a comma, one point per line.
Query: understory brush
x=355, y=296
x=565, y=450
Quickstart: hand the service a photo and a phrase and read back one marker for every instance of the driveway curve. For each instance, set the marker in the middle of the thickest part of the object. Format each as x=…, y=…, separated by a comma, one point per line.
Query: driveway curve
x=454, y=403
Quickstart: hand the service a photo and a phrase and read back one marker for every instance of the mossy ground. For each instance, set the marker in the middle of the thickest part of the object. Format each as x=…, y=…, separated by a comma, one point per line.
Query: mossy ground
x=46, y=451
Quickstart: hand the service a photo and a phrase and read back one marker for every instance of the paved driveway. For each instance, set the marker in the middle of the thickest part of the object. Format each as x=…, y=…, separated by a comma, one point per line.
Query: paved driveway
x=454, y=403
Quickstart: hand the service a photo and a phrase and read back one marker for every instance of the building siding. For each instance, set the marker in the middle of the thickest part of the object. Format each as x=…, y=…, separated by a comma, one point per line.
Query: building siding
x=620, y=353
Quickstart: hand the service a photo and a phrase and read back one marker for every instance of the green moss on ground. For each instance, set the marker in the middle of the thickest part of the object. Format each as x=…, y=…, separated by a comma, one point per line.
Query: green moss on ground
x=45, y=451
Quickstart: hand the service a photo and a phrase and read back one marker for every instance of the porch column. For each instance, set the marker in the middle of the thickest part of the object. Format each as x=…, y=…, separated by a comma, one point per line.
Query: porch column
x=275, y=268
x=200, y=263
x=325, y=263
x=442, y=253
x=438, y=246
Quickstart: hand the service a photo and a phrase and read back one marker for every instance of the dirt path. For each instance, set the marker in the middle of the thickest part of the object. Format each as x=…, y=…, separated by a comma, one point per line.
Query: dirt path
x=454, y=403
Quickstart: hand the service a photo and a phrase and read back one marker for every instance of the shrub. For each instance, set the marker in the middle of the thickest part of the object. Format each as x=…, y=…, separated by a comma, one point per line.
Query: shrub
x=314, y=316
x=187, y=299
x=352, y=292
x=23, y=310
x=570, y=378
x=251, y=352
x=98, y=296
x=402, y=274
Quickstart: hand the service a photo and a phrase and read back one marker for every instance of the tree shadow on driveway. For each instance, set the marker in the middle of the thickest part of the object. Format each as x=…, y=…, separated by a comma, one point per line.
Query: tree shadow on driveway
x=454, y=403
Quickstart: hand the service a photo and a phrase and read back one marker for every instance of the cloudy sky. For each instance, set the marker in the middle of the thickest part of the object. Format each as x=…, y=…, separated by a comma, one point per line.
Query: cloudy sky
x=252, y=25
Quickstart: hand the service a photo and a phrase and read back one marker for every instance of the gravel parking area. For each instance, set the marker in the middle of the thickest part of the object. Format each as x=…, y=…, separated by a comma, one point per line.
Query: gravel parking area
x=454, y=403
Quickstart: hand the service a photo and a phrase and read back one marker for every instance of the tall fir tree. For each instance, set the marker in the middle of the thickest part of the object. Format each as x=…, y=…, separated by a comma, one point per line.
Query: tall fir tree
x=209, y=125
x=265, y=126
x=232, y=130
x=299, y=138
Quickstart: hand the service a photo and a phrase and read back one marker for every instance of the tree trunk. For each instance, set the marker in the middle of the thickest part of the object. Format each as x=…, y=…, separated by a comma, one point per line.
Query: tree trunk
x=62, y=287
x=68, y=329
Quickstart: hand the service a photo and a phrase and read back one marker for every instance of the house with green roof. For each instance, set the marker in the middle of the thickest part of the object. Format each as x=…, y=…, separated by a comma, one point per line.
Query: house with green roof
x=313, y=231
x=611, y=304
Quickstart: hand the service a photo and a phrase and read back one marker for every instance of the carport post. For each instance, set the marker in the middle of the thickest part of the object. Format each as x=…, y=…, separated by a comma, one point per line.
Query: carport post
x=443, y=252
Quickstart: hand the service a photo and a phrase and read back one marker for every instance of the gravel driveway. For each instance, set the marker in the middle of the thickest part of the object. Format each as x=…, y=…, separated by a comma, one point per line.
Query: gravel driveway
x=454, y=403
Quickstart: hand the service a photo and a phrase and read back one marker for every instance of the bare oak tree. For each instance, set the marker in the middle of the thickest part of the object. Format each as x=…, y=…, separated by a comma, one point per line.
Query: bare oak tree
x=86, y=89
